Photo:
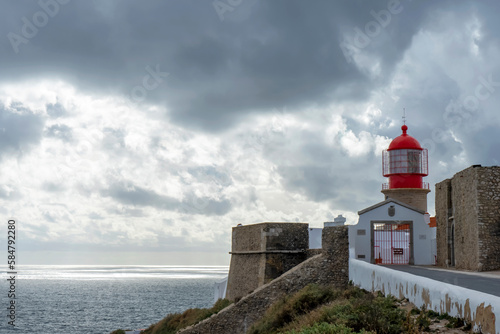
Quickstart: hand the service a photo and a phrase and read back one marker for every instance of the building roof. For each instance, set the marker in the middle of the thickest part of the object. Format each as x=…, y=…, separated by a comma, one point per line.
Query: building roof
x=404, y=141
x=390, y=200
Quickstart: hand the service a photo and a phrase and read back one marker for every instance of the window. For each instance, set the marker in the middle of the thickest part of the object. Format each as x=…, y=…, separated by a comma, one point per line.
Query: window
x=405, y=161
x=414, y=161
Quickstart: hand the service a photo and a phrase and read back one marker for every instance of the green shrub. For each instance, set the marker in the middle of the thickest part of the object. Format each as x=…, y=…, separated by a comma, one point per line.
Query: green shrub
x=324, y=328
x=378, y=314
x=289, y=308
x=423, y=321
x=444, y=316
x=455, y=322
x=414, y=311
x=350, y=311
x=433, y=314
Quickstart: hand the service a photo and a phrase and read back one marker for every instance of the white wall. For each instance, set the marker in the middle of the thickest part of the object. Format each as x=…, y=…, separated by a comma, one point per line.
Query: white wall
x=220, y=289
x=315, y=237
x=477, y=307
x=422, y=233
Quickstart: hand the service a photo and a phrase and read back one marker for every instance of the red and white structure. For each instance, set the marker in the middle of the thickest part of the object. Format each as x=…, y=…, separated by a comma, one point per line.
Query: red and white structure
x=405, y=163
x=395, y=231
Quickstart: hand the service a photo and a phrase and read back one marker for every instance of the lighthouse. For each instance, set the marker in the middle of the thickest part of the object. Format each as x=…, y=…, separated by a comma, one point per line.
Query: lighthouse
x=394, y=231
x=405, y=163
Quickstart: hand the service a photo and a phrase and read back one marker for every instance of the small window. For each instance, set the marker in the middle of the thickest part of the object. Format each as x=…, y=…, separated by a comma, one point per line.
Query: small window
x=361, y=232
x=361, y=256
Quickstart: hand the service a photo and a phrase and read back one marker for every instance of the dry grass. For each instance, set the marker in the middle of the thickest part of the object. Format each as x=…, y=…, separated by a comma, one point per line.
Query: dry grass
x=324, y=310
x=176, y=321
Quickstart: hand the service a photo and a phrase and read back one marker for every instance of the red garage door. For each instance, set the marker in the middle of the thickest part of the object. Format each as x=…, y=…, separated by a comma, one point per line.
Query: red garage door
x=391, y=243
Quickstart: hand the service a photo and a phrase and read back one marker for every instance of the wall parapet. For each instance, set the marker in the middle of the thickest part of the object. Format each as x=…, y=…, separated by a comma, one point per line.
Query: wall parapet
x=479, y=308
x=261, y=252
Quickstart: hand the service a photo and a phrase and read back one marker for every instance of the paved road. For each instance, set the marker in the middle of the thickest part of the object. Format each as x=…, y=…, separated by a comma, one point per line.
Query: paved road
x=473, y=281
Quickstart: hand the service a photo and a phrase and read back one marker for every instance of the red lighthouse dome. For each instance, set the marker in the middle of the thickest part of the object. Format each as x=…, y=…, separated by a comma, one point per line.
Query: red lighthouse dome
x=405, y=163
x=404, y=141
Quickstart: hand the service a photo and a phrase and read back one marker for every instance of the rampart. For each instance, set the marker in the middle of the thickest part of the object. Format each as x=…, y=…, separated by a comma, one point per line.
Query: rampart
x=468, y=219
x=331, y=268
x=262, y=252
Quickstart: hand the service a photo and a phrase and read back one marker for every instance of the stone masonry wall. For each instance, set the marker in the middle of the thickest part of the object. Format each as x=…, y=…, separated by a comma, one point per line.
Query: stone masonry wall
x=262, y=252
x=414, y=197
x=488, y=215
x=475, y=211
x=464, y=204
x=245, y=275
x=442, y=198
x=276, y=264
x=285, y=236
x=329, y=268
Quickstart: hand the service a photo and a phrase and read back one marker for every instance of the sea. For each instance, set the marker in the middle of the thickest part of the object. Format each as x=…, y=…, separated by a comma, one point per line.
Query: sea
x=100, y=299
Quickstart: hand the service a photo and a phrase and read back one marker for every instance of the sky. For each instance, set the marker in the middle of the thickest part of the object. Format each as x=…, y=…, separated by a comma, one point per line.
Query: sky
x=141, y=132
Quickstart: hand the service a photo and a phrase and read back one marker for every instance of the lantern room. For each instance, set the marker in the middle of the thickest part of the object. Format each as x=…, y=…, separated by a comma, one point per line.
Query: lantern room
x=405, y=163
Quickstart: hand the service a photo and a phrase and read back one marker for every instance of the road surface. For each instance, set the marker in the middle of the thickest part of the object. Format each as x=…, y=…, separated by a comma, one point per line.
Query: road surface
x=487, y=282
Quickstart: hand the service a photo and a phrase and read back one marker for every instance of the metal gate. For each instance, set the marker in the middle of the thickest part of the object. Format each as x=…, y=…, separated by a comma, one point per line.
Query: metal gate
x=391, y=243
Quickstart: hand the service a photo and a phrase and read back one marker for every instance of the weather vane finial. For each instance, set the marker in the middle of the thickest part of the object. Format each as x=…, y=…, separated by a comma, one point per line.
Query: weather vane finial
x=404, y=116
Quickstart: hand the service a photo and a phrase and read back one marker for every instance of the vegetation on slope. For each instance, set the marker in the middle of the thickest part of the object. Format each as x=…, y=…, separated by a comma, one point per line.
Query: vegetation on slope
x=320, y=310
x=317, y=309
x=176, y=321
x=323, y=310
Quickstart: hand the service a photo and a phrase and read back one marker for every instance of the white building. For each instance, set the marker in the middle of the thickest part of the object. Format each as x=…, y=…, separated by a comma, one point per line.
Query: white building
x=392, y=232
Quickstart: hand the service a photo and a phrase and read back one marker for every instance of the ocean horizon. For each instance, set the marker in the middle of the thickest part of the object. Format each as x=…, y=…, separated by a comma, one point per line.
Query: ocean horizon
x=101, y=298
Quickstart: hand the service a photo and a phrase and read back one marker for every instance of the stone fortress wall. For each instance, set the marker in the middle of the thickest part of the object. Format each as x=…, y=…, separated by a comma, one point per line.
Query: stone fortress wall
x=262, y=252
x=331, y=267
x=468, y=219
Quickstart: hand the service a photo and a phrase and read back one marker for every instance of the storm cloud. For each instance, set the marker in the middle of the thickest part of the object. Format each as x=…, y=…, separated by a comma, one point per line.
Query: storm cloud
x=140, y=123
